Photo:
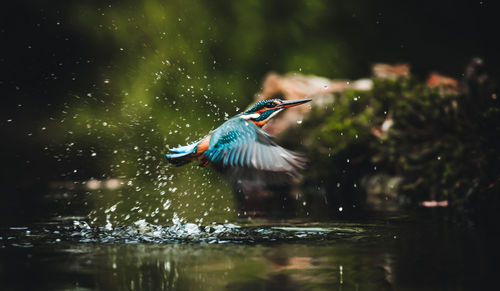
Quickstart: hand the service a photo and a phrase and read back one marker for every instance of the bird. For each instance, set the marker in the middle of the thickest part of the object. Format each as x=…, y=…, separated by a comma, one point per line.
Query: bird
x=240, y=142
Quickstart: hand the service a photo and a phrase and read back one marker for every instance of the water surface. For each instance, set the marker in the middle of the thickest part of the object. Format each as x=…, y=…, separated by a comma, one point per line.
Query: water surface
x=386, y=252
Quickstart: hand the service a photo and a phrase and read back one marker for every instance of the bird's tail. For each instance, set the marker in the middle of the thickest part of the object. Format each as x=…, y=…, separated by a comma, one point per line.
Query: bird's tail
x=180, y=155
x=177, y=159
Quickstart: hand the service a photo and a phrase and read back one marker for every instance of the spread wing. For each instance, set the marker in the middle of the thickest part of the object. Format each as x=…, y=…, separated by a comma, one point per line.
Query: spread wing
x=240, y=143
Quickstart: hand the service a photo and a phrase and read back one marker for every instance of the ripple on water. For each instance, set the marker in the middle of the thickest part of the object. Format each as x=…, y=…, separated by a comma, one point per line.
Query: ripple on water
x=142, y=232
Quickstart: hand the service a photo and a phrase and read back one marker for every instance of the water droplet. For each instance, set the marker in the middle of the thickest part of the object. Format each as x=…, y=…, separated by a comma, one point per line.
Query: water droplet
x=106, y=81
x=299, y=121
x=340, y=208
x=94, y=154
x=166, y=205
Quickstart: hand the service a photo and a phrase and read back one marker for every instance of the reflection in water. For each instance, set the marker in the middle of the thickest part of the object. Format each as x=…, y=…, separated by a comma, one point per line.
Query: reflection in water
x=202, y=267
x=389, y=254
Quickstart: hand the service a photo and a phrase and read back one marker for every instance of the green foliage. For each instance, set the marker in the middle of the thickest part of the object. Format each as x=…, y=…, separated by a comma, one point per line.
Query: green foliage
x=444, y=147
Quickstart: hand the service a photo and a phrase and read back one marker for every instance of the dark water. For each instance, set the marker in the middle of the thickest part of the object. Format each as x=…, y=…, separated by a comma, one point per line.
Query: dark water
x=387, y=252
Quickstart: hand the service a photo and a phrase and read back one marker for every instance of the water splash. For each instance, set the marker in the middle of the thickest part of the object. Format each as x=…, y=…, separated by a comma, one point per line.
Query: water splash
x=79, y=231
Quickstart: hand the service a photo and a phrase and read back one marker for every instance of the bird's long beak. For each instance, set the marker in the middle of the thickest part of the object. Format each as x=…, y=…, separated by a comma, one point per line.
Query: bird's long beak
x=292, y=103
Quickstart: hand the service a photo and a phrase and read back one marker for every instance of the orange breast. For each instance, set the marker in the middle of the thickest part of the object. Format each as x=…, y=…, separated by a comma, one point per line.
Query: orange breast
x=259, y=123
x=203, y=145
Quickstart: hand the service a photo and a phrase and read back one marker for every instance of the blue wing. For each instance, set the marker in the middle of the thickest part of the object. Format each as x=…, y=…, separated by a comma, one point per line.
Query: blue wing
x=240, y=143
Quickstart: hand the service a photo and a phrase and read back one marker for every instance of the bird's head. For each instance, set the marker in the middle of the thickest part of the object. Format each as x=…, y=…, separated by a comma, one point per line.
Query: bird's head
x=264, y=110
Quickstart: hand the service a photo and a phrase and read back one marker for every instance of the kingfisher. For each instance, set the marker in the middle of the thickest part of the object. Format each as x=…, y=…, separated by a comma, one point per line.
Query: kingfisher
x=240, y=142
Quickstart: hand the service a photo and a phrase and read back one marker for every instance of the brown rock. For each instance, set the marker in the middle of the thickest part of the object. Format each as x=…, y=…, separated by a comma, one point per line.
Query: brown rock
x=386, y=71
x=445, y=84
x=297, y=86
